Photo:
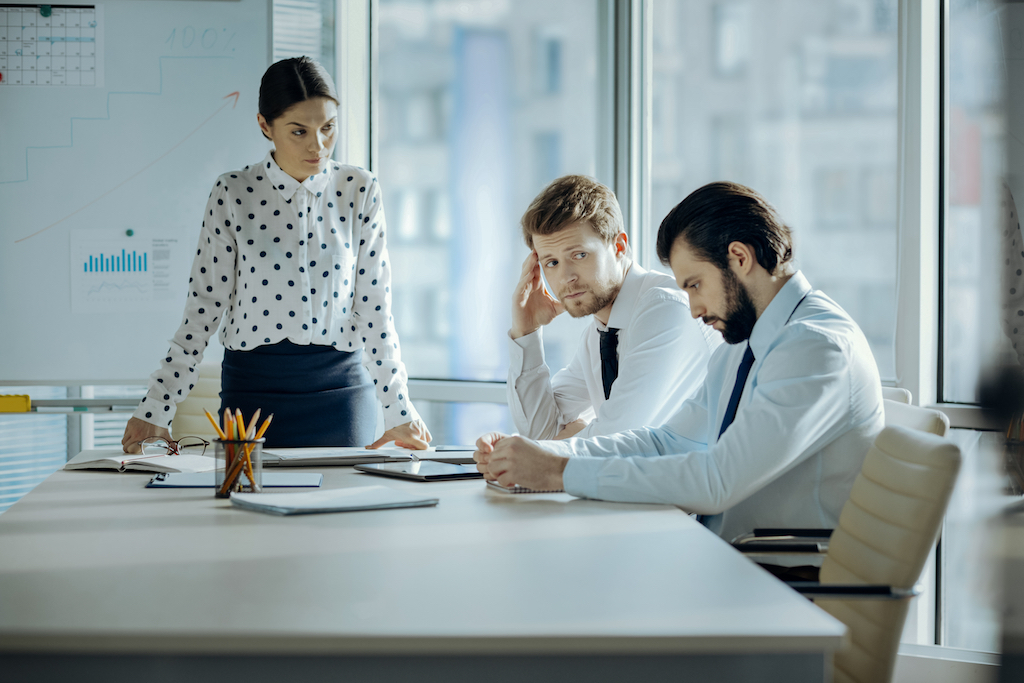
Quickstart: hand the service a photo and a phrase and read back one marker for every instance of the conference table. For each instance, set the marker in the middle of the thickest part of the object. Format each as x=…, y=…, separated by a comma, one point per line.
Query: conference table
x=102, y=579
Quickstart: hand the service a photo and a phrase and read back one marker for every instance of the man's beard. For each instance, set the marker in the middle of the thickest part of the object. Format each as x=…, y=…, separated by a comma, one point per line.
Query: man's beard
x=740, y=315
x=601, y=299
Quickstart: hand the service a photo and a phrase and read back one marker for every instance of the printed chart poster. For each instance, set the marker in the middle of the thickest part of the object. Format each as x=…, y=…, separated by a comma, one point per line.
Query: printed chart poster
x=114, y=273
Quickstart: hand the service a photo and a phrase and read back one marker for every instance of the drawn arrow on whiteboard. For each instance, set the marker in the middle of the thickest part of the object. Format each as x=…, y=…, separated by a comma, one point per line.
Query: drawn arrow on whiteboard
x=142, y=170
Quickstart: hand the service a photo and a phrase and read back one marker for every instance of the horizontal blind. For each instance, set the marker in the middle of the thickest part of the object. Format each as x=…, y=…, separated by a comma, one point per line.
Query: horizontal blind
x=304, y=27
x=32, y=447
x=105, y=430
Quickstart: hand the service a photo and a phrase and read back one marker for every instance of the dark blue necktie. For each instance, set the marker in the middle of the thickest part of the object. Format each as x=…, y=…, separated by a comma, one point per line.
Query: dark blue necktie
x=714, y=522
x=609, y=358
x=737, y=389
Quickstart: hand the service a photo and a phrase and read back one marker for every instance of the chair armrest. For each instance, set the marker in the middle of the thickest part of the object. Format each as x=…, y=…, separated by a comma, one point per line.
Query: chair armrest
x=776, y=540
x=780, y=547
x=799, y=533
x=852, y=591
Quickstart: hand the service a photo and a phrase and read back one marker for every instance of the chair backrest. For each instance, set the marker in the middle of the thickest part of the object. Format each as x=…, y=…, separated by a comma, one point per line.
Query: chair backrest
x=189, y=419
x=885, y=534
x=898, y=394
x=914, y=417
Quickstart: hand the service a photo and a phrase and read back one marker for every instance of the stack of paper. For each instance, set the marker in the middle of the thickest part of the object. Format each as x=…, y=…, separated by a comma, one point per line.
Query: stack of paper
x=331, y=500
x=326, y=457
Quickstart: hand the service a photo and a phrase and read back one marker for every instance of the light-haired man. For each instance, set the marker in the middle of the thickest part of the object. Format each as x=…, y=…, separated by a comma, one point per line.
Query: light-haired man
x=791, y=405
x=643, y=354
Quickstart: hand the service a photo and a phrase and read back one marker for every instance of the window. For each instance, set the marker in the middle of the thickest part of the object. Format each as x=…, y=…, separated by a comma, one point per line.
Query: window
x=797, y=100
x=975, y=257
x=481, y=104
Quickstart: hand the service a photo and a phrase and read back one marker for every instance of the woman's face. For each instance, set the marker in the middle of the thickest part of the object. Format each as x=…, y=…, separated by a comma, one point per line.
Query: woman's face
x=303, y=136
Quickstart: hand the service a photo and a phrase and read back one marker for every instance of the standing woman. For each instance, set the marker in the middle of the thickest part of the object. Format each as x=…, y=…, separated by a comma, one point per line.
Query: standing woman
x=292, y=265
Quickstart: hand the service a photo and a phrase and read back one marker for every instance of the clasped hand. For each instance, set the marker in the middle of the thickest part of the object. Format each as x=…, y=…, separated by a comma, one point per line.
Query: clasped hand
x=511, y=460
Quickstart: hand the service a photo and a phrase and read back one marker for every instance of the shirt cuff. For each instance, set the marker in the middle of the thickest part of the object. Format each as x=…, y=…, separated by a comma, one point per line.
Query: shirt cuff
x=398, y=413
x=155, y=411
x=526, y=352
x=579, y=478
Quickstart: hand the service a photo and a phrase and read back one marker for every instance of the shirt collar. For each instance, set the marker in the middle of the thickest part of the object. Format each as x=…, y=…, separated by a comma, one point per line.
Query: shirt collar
x=288, y=186
x=625, y=300
x=778, y=313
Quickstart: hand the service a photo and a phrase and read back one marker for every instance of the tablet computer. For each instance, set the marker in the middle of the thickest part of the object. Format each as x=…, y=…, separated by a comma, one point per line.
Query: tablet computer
x=422, y=470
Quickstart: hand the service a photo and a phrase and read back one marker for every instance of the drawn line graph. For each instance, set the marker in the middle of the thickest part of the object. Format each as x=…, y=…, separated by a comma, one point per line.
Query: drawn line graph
x=235, y=95
x=103, y=288
x=71, y=124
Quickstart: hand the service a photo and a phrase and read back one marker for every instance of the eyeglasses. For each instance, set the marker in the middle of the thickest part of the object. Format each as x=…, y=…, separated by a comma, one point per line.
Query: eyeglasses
x=186, y=445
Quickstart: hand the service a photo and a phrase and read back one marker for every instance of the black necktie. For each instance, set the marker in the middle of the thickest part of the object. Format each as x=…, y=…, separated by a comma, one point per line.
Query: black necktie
x=609, y=358
x=714, y=522
x=737, y=389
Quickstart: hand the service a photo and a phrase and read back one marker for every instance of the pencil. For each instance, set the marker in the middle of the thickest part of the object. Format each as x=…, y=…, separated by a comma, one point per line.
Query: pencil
x=249, y=447
x=213, y=421
x=253, y=421
x=232, y=476
x=263, y=427
x=241, y=424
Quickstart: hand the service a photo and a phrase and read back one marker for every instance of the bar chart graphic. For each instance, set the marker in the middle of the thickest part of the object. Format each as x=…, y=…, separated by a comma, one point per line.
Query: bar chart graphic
x=124, y=262
x=114, y=273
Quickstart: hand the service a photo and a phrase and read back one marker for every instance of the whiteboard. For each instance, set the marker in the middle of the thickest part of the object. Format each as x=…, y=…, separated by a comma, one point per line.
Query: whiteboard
x=103, y=184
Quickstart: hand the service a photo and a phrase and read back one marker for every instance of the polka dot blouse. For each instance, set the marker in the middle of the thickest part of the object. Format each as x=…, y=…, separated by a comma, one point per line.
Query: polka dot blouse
x=1013, y=275
x=279, y=259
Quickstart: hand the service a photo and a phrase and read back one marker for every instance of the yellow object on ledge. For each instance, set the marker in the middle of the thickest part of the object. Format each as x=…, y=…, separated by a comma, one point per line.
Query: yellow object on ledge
x=15, y=403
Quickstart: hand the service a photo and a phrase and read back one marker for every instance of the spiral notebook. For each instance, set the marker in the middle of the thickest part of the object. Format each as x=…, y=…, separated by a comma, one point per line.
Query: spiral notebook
x=516, y=488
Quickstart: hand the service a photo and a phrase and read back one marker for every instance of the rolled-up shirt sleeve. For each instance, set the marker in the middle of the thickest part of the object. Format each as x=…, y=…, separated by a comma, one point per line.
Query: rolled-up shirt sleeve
x=540, y=405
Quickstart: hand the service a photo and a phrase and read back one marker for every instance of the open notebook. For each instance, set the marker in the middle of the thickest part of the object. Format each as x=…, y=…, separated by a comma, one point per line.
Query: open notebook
x=117, y=460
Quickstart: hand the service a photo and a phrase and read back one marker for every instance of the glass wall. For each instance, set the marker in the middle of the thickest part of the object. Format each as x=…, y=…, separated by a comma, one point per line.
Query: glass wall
x=481, y=105
x=798, y=100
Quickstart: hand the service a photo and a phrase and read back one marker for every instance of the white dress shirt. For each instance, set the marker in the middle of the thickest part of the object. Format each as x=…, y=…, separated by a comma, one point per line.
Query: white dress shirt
x=663, y=357
x=810, y=410
x=278, y=259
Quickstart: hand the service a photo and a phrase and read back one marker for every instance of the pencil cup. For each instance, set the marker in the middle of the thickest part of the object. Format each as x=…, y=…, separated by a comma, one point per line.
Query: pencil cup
x=239, y=467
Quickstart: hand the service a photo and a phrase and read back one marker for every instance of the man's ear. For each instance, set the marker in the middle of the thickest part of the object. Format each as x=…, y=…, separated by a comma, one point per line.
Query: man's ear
x=620, y=244
x=741, y=258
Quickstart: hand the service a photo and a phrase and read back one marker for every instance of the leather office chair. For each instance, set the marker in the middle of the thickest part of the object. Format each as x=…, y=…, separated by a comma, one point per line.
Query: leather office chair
x=898, y=394
x=876, y=554
x=189, y=419
x=915, y=417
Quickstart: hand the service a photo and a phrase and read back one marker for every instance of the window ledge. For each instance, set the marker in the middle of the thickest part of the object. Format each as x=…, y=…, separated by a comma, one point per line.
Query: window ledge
x=963, y=416
x=936, y=664
x=457, y=391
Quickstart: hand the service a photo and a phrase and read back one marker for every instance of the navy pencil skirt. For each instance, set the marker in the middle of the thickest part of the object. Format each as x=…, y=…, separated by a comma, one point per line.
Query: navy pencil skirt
x=319, y=396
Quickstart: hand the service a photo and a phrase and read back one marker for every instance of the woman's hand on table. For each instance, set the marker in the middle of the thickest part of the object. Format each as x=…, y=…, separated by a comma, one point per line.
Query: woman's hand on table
x=136, y=430
x=413, y=435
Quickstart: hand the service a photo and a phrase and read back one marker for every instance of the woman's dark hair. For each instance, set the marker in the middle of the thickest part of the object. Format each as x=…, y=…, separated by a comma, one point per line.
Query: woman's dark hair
x=716, y=215
x=290, y=81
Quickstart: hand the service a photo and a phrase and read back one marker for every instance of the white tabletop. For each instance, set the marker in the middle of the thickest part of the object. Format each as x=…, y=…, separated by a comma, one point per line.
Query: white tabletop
x=95, y=562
